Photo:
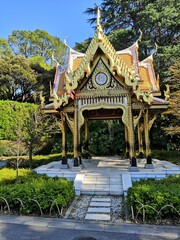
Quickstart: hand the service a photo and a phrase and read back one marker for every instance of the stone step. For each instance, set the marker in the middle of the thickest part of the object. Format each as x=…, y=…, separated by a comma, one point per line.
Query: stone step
x=100, y=204
x=102, y=178
x=97, y=199
x=102, y=184
x=99, y=210
x=98, y=216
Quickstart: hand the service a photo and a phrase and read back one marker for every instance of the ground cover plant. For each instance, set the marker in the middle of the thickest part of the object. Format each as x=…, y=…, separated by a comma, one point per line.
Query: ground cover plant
x=155, y=201
x=34, y=194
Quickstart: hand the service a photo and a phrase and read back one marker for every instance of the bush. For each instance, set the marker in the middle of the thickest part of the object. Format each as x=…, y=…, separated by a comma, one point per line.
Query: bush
x=157, y=194
x=38, y=160
x=8, y=176
x=171, y=156
x=33, y=190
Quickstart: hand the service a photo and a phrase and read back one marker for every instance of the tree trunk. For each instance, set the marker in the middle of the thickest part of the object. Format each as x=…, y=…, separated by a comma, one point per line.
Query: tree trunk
x=30, y=157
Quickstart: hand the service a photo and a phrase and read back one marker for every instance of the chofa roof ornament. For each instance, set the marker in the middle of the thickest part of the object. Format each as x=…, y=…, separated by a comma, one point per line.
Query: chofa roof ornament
x=139, y=38
x=99, y=27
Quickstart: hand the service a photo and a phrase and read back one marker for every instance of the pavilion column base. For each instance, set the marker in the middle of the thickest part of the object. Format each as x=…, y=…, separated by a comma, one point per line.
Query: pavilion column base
x=86, y=155
x=149, y=160
x=77, y=167
x=64, y=166
x=76, y=162
x=149, y=164
x=80, y=160
x=64, y=163
x=133, y=162
x=81, y=165
x=64, y=160
x=133, y=167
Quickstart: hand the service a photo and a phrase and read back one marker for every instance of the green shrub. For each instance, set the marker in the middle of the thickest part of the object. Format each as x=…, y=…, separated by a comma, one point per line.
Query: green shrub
x=38, y=160
x=9, y=175
x=171, y=156
x=34, y=189
x=157, y=194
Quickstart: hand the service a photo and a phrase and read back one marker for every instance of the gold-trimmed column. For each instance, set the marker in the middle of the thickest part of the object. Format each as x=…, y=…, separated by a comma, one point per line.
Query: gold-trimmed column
x=64, y=144
x=86, y=144
x=147, y=141
x=75, y=135
x=126, y=140
x=131, y=140
x=79, y=145
x=140, y=139
x=62, y=125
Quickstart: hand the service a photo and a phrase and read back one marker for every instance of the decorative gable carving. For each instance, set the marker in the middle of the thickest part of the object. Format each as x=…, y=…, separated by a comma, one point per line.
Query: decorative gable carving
x=101, y=79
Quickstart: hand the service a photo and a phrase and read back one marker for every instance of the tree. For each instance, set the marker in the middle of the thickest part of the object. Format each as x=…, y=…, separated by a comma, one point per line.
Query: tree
x=82, y=47
x=4, y=48
x=36, y=43
x=106, y=139
x=17, y=78
x=173, y=112
x=17, y=149
x=37, y=128
x=25, y=124
x=12, y=115
x=44, y=75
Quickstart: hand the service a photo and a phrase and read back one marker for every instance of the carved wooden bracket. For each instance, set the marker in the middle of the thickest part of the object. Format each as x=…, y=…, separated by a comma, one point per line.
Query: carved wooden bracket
x=136, y=118
x=151, y=121
x=70, y=122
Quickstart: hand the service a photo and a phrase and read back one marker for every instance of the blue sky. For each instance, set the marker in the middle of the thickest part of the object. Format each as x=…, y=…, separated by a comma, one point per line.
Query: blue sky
x=61, y=18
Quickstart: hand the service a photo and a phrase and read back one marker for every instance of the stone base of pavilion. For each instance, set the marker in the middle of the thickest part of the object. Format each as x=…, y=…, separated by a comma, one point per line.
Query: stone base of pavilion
x=108, y=175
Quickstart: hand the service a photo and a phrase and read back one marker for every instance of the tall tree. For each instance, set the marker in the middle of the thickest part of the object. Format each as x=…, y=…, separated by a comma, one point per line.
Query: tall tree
x=173, y=112
x=38, y=128
x=17, y=78
x=36, y=43
x=26, y=126
x=4, y=48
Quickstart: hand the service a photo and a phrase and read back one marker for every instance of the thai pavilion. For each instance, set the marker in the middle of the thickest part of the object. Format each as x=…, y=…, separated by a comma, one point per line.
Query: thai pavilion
x=106, y=84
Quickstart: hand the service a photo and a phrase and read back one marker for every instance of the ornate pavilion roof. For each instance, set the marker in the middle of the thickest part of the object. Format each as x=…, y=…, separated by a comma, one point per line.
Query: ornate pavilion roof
x=139, y=76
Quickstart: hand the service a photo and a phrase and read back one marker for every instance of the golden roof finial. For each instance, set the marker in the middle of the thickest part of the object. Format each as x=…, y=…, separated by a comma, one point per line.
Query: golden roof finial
x=155, y=51
x=139, y=38
x=99, y=28
x=98, y=16
x=57, y=64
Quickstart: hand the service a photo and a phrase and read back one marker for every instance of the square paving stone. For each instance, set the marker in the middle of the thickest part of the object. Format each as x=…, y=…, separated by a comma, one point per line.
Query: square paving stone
x=97, y=216
x=105, y=199
x=100, y=204
x=98, y=210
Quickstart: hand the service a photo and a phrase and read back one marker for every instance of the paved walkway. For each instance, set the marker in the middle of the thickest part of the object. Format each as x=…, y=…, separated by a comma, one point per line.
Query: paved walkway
x=99, y=209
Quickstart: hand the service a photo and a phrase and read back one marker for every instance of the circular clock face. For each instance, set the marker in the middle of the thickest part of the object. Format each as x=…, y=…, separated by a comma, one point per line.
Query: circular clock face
x=101, y=78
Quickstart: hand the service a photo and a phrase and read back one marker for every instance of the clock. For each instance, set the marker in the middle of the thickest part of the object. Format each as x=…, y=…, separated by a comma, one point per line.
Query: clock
x=101, y=78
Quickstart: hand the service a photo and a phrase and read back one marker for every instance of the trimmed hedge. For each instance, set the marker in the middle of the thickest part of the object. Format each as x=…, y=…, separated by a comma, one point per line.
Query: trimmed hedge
x=157, y=194
x=38, y=160
x=36, y=192
x=171, y=156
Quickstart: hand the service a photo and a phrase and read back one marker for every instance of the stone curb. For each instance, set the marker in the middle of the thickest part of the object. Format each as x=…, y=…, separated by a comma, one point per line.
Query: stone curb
x=168, y=232
x=68, y=212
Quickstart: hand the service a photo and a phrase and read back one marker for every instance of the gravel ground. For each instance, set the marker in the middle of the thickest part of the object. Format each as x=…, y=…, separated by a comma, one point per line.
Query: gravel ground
x=80, y=207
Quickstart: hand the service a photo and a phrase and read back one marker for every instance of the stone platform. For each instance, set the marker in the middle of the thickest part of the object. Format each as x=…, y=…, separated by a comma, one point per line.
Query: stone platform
x=108, y=175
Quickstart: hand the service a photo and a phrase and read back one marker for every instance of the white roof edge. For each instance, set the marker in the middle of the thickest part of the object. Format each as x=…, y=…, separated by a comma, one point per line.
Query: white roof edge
x=160, y=100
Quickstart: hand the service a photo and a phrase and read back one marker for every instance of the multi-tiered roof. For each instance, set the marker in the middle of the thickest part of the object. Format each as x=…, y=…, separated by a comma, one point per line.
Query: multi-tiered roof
x=139, y=76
